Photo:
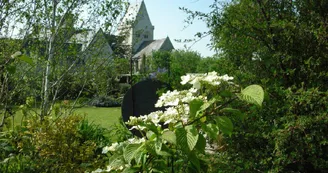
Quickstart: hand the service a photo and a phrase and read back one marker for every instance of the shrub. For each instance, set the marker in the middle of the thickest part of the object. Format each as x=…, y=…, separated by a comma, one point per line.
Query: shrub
x=68, y=144
x=105, y=101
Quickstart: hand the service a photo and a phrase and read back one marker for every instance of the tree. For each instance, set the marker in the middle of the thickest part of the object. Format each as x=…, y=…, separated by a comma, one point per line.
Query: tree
x=47, y=28
x=282, y=45
x=170, y=66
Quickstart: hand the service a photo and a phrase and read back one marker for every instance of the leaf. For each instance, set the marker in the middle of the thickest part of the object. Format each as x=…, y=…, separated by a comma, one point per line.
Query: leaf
x=253, y=94
x=150, y=135
x=225, y=125
x=133, y=150
x=207, y=104
x=226, y=93
x=194, y=106
x=169, y=136
x=26, y=59
x=211, y=130
x=194, y=160
x=192, y=136
x=201, y=144
x=11, y=69
x=165, y=151
x=158, y=145
x=234, y=112
x=181, y=138
x=150, y=147
x=116, y=160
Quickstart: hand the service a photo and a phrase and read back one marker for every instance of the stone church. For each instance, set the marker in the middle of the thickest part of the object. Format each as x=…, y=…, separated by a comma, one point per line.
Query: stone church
x=138, y=33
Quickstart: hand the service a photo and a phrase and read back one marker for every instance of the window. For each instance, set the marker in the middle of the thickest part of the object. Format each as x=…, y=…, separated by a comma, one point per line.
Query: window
x=145, y=36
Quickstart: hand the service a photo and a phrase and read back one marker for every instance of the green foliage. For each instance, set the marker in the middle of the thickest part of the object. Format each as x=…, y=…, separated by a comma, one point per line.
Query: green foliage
x=280, y=45
x=191, y=122
x=170, y=66
x=68, y=144
x=103, y=101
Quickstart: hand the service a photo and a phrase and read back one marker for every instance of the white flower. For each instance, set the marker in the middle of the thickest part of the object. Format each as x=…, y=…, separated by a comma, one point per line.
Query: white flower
x=136, y=141
x=16, y=54
x=174, y=102
x=211, y=76
x=109, y=168
x=110, y=148
x=138, y=127
x=185, y=79
x=226, y=77
x=154, y=117
x=170, y=98
x=196, y=82
x=170, y=121
x=105, y=150
x=133, y=120
x=192, y=90
x=97, y=171
x=113, y=147
x=121, y=168
x=188, y=98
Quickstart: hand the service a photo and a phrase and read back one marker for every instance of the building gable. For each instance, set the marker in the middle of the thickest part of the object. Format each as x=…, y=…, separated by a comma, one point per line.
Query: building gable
x=98, y=47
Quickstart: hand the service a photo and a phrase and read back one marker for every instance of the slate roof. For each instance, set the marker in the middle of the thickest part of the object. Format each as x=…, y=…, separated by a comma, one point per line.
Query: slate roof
x=148, y=47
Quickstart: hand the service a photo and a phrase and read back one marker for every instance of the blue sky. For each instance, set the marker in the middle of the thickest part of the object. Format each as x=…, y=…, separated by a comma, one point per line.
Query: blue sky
x=169, y=21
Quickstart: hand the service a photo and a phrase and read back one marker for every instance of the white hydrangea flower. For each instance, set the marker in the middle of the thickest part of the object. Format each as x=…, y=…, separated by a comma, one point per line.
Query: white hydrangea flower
x=170, y=115
x=170, y=98
x=97, y=171
x=196, y=82
x=109, y=168
x=185, y=79
x=188, y=97
x=211, y=78
x=133, y=120
x=110, y=148
x=136, y=140
x=226, y=77
x=113, y=147
x=193, y=90
x=154, y=117
x=105, y=150
x=138, y=127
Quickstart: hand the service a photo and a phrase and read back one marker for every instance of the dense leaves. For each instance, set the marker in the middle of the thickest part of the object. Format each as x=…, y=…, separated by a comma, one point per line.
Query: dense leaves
x=282, y=46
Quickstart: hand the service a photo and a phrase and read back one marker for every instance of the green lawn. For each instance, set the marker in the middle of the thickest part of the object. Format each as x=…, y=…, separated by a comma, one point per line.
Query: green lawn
x=105, y=117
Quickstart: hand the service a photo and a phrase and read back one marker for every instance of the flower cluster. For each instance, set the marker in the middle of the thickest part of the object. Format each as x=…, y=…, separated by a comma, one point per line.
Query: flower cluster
x=177, y=109
x=177, y=102
x=211, y=78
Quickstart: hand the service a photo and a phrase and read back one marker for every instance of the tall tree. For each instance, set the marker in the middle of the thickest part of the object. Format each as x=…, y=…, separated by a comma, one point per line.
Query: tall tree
x=282, y=45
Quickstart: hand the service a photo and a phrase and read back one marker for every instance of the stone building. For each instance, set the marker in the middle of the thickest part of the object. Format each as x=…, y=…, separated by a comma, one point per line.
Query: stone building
x=139, y=34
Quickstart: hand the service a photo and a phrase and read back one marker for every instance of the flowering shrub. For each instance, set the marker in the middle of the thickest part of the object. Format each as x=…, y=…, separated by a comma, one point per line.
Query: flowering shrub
x=179, y=137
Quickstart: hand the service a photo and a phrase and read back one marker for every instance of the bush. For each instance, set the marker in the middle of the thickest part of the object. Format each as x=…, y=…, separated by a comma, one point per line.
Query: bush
x=105, y=101
x=68, y=144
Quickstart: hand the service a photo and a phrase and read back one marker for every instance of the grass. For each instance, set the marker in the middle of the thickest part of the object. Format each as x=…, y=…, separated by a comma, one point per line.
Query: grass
x=104, y=117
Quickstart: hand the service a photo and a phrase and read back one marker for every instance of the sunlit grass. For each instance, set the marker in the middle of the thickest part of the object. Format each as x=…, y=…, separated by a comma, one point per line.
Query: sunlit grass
x=104, y=117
